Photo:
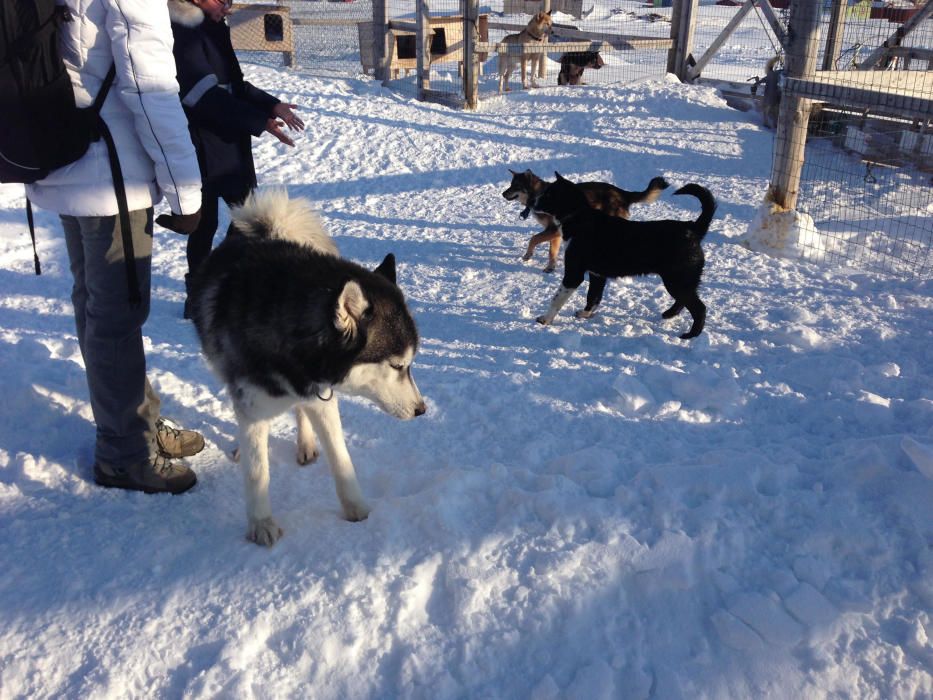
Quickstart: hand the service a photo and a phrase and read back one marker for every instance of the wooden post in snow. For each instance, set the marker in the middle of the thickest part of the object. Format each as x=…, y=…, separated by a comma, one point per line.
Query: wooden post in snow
x=542, y=66
x=835, y=36
x=380, y=40
x=683, y=23
x=423, y=35
x=470, y=57
x=803, y=35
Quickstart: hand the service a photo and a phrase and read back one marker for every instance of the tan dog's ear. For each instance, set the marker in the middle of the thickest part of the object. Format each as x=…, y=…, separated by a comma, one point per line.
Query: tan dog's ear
x=351, y=305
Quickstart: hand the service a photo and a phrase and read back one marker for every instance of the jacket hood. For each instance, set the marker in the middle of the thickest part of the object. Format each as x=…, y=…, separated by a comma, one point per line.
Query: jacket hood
x=184, y=13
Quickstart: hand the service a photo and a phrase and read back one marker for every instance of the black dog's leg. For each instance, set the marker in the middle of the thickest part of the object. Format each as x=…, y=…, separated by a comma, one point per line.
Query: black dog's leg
x=594, y=295
x=675, y=309
x=697, y=309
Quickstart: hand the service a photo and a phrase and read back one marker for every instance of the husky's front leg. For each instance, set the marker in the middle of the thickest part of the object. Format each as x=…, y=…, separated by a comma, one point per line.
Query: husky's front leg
x=307, y=447
x=557, y=303
x=254, y=461
x=325, y=415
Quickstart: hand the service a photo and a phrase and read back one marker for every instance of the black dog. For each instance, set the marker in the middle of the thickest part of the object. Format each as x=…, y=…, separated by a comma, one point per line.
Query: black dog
x=573, y=63
x=607, y=246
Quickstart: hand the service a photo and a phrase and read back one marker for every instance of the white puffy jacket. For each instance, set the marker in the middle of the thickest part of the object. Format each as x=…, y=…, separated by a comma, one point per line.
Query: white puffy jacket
x=142, y=111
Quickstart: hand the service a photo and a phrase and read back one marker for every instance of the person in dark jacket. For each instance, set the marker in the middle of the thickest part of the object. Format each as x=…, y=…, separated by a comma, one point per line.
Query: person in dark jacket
x=224, y=111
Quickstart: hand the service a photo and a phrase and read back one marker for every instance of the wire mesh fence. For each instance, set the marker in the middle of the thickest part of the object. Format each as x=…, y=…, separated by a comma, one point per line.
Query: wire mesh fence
x=866, y=171
x=868, y=164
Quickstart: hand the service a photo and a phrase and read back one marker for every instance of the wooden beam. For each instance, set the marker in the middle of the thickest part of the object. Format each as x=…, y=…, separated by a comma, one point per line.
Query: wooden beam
x=562, y=47
x=835, y=35
x=471, y=62
x=768, y=12
x=897, y=37
x=683, y=26
x=423, y=35
x=381, y=50
x=694, y=71
x=906, y=93
x=790, y=141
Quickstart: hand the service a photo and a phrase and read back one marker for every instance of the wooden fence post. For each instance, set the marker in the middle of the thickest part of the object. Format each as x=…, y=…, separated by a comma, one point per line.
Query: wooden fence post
x=683, y=22
x=379, y=39
x=835, y=35
x=542, y=67
x=470, y=57
x=423, y=34
x=803, y=34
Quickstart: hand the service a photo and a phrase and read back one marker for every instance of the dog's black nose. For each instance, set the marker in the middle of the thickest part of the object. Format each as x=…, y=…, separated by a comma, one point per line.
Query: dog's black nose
x=420, y=409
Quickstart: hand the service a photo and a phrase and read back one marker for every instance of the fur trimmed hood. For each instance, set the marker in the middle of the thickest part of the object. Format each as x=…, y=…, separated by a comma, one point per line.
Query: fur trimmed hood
x=184, y=13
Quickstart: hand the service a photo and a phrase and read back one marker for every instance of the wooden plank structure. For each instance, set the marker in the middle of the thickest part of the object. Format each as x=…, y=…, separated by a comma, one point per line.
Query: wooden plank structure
x=896, y=93
x=262, y=28
x=402, y=48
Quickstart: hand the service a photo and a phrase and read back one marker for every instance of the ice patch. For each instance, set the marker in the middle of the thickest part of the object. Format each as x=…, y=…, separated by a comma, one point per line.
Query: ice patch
x=634, y=395
x=767, y=618
x=920, y=455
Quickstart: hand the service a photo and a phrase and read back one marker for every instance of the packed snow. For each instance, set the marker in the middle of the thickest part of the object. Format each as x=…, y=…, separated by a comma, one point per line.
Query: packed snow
x=595, y=509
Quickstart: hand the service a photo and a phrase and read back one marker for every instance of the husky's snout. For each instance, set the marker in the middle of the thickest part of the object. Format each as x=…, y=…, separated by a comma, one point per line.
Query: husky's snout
x=510, y=194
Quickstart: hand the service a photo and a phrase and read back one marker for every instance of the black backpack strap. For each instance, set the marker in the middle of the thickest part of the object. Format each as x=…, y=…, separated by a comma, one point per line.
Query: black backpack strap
x=129, y=256
x=32, y=235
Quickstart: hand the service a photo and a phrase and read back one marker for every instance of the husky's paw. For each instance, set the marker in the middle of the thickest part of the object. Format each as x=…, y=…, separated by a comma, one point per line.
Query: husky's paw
x=306, y=455
x=355, y=511
x=583, y=313
x=265, y=532
x=526, y=257
x=550, y=267
x=543, y=320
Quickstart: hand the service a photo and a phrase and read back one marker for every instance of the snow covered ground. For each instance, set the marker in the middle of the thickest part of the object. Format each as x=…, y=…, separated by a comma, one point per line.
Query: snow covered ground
x=595, y=509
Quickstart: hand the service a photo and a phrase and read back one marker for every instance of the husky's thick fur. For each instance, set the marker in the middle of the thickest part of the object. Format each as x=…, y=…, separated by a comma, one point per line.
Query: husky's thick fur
x=534, y=34
x=526, y=186
x=284, y=321
x=607, y=246
x=573, y=63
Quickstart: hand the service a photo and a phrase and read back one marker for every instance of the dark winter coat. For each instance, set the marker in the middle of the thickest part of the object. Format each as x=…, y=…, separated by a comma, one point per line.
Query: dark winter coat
x=223, y=109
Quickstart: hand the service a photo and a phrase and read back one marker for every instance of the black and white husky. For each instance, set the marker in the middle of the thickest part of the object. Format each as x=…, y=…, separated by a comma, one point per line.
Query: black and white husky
x=284, y=321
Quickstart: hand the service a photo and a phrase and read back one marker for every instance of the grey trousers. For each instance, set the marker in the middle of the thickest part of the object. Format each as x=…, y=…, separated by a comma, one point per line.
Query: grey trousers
x=110, y=333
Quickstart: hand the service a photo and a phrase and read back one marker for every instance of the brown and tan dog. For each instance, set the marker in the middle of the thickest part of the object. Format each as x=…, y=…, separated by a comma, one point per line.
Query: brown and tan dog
x=526, y=186
x=535, y=34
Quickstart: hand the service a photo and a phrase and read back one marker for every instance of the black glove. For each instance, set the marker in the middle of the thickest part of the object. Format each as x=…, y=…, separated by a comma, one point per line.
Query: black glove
x=179, y=223
x=525, y=213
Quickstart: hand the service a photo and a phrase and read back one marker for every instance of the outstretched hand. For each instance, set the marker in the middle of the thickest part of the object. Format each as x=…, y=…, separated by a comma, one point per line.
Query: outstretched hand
x=284, y=112
x=274, y=127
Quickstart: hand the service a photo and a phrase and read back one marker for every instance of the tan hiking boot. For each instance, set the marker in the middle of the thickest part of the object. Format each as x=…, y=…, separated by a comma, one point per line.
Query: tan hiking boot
x=158, y=475
x=176, y=443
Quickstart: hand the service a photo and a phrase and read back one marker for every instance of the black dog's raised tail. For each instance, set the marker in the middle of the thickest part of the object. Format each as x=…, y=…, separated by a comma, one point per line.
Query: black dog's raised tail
x=707, y=201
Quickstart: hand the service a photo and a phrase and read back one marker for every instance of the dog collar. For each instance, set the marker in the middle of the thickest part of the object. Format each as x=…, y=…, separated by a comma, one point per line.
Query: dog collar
x=536, y=38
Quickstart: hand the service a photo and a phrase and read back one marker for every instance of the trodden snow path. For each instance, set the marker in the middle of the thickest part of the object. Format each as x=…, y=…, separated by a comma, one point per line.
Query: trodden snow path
x=596, y=509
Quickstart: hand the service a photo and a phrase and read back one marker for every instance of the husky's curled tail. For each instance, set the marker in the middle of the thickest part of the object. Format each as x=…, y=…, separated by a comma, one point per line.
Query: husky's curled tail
x=272, y=214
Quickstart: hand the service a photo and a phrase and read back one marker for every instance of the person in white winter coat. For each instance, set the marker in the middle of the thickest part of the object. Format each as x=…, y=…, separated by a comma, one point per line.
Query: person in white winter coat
x=135, y=447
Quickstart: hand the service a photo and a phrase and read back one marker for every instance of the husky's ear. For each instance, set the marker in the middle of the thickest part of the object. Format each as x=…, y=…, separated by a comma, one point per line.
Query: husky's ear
x=351, y=305
x=558, y=175
x=513, y=172
x=387, y=268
